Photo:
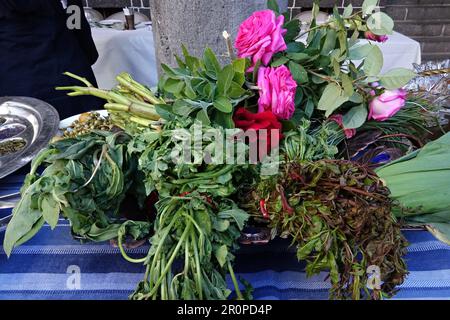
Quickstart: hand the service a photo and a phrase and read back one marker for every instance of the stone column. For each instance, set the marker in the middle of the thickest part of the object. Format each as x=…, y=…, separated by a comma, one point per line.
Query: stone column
x=198, y=23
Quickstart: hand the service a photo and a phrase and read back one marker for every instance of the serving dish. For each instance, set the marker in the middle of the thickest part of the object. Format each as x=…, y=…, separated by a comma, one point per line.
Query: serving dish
x=29, y=122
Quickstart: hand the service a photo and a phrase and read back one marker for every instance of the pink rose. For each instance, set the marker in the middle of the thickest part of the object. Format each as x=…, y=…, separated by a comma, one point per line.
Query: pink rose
x=386, y=105
x=277, y=91
x=349, y=133
x=374, y=37
x=260, y=37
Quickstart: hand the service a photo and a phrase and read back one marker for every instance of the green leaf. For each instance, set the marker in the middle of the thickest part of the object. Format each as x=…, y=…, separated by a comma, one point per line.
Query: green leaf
x=380, y=23
x=224, y=79
x=348, y=11
x=203, y=117
x=298, y=56
x=347, y=84
x=330, y=42
x=298, y=72
x=309, y=108
x=369, y=6
x=50, y=211
x=224, y=120
x=165, y=111
x=223, y=104
x=211, y=62
x=273, y=5
x=355, y=117
x=279, y=62
x=221, y=255
x=373, y=62
x=174, y=86
x=359, y=52
x=239, y=216
x=396, y=78
x=239, y=65
x=293, y=30
x=236, y=91
x=332, y=98
x=356, y=98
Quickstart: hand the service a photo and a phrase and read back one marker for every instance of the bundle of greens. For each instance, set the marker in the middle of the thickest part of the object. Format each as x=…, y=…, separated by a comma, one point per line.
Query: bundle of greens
x=197, y=221
x=339, y=217
x=419, y=182
x=129, y=103
x=85, y=179
x=200, y=233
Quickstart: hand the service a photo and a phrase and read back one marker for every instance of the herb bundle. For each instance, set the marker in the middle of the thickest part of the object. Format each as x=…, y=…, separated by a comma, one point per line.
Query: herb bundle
x=338, y=215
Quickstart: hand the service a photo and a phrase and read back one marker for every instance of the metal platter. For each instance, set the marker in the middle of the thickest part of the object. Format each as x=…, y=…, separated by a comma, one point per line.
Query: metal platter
x=26, y=127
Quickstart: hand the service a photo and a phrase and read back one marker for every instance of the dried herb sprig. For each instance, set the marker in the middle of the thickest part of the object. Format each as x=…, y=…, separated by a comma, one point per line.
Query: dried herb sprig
x=338, y=214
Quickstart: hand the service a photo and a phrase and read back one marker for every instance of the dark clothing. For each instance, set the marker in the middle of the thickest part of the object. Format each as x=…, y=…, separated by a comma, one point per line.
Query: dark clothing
x=36, y=47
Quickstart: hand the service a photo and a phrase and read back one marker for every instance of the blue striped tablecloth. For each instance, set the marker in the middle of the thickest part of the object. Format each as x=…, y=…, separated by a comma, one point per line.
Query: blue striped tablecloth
x=39, y=269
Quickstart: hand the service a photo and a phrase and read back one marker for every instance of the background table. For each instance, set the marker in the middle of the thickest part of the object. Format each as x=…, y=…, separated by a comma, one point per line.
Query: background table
x=124, y=51
x=134, y=52
x=39, y=268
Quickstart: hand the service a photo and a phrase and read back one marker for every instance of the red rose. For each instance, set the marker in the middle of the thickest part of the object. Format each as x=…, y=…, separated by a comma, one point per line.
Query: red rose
x=245, y=120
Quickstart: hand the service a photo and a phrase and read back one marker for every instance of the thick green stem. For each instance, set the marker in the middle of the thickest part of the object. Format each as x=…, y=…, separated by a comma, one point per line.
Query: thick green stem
x=171, y=260
x=146, y=94
x=235, y=283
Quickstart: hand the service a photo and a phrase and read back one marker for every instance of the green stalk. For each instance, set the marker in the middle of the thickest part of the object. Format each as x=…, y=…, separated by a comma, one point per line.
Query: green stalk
x=124, y=254
x=160, y=246
x=143, y=92
x=74, y=76
x=163, y=282
x=235, y=283
x=172, y=258
x=198, y=279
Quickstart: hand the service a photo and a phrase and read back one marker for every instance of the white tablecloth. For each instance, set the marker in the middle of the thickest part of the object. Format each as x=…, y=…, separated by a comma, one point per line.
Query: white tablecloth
x=125, y=51
x=134, y=52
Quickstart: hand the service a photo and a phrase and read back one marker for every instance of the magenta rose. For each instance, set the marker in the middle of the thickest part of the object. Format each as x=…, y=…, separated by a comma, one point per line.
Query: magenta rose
x=277, y=91
x=374, y=37
x=260, y=37
x=387, y=104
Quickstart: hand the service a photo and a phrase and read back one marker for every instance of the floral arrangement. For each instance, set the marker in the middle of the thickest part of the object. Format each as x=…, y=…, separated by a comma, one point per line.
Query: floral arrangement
x=303, y=122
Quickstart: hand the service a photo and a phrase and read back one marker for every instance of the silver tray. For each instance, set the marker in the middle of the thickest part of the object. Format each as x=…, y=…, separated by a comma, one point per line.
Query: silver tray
x=28, y=120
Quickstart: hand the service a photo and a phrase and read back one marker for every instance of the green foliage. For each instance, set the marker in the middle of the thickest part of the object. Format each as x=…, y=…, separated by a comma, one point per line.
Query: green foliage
x=85, y=180
x=202, y=89
x=197, y=222
x=334, y=70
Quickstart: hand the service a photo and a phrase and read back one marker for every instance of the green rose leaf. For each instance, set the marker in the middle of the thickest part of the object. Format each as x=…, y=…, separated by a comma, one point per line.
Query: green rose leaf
x=293, y=29
x=298, y=72
x=223, y=104
x=380, y=23
x=355, y=117
x=373, y=62
x=359, y=52
x=396, y=78
x=211, y=62
x=369, y=6
x=332, y=98
x=348, y=11
x=347, y=84
x=279, y=62
x=273, y=5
